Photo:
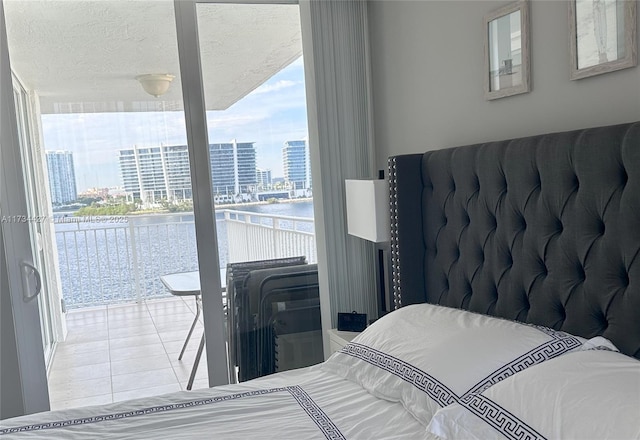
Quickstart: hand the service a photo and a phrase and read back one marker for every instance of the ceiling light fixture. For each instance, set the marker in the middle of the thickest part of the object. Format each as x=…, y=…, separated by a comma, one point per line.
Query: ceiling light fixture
x=155, y=84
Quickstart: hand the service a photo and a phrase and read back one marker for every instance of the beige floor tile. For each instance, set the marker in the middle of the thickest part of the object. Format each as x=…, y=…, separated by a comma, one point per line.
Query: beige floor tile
x=181, y=335
x=124, y=314
x=176, y=326
x=134, y=341
x=126, y=331
x=87, y=334
x=173, y=348
x=64, y=361
x=127, y=307
x=87, y=401
x=183, y=367
x=87, y=327
x=191, y=303
x=135, y=352
x=88, y=320
x=146, y=392
x=168, y=309
x=140, y=364
x=71, y=348
x=168, y=315
x=137, y=319
x=93, y=314
x=170, y=326
x=130, y=321
x=77, y=373
x=164, y=299
x=189, y=357
x=80, y=389
x=174, y=317
x=143, y=379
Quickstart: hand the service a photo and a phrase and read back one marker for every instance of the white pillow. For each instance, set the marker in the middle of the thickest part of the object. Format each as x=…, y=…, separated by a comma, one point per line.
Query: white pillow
x=584, y=395
x=427, y=356
x=599, y=343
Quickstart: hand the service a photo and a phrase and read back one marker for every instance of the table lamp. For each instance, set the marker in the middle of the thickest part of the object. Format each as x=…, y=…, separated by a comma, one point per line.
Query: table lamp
x=368, y=218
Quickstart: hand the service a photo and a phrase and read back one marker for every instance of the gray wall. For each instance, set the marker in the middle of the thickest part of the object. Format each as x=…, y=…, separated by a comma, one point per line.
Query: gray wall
x=427, y=63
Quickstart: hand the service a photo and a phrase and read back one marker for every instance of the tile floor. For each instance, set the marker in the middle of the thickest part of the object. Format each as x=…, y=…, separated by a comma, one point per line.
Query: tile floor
x=124, y=351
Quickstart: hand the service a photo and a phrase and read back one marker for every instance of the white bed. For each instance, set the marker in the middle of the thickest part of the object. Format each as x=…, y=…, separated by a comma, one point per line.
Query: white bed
x=299, y=404
x=420, y=372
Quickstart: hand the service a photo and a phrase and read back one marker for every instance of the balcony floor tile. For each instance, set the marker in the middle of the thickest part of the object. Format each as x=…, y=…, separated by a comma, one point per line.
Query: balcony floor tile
x=119, y=352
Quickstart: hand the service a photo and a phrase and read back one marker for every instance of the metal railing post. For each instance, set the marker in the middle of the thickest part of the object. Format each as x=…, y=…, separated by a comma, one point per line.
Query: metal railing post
x=276, y=228
x=247, y=223
x=134, y=262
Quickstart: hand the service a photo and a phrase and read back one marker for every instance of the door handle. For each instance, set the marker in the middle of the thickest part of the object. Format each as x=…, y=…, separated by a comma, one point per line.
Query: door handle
x=29, y=269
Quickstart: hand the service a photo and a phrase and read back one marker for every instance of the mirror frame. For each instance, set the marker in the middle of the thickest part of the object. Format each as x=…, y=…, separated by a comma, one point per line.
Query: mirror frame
x=631, y=48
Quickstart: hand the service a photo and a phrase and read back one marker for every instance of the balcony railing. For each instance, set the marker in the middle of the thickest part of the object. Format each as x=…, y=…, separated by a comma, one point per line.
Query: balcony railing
x=253, y=236
x=105, y=263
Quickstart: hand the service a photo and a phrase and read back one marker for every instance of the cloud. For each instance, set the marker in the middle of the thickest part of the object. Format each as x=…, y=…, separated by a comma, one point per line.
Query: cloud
x=268, y=88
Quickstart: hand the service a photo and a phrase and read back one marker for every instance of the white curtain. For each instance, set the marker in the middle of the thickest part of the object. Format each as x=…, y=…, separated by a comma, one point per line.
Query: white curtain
x=335, y=44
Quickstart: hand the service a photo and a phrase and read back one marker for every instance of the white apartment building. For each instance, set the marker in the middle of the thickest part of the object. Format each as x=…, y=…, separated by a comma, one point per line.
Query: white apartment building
x=155, y=173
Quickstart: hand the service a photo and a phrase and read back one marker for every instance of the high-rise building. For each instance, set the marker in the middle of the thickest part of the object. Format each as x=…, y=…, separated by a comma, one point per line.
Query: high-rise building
x=263, y=176
x=296, y=164
x=62, y=177
x=154, y=173
x=233, y=168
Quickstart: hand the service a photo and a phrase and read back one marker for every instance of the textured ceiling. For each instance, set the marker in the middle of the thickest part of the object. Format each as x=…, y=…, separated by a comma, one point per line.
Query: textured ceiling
x=83, y=55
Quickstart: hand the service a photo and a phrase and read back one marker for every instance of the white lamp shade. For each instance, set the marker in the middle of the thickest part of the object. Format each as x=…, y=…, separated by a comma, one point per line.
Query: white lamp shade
x=368, y=209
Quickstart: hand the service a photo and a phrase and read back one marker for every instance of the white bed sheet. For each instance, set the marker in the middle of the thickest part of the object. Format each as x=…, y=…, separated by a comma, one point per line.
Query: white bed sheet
x=300, y=404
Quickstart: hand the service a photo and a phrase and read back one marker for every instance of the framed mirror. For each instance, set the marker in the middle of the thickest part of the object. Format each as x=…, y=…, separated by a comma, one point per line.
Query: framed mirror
x=506, y=50
x=602, y=36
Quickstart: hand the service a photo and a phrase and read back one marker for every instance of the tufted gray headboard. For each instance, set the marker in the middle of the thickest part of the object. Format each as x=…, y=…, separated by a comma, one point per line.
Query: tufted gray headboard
x=544, y=229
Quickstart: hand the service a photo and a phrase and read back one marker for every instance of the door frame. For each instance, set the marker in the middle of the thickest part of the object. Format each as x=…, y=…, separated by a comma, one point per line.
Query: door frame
x=203, y=202
x=203, y=205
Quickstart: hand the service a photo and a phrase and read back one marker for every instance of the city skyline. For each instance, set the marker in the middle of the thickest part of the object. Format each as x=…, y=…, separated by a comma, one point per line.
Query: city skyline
x=269, y=116
x=162, y=172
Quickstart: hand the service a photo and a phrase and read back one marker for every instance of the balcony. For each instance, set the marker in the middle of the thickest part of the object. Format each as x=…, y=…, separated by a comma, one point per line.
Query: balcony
x=120, y=259
x=124, y=329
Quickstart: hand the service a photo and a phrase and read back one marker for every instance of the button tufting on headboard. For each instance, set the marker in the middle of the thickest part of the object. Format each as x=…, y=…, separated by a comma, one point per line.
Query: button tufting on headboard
x=544, y=229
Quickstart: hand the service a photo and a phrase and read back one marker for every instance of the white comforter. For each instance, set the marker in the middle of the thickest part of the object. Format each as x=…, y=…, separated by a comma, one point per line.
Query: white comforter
x=301, y=404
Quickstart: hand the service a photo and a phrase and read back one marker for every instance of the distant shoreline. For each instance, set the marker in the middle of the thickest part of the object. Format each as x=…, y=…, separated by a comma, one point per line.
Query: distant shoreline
x=279, y=201
x=234, y=206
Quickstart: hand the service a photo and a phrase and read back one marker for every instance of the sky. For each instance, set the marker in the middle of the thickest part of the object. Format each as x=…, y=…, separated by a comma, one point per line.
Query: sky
x=272, y=114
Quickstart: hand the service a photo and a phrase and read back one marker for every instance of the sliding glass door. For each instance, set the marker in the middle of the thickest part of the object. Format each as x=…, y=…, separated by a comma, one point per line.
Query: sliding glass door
x=22, y=365
x=132, y=170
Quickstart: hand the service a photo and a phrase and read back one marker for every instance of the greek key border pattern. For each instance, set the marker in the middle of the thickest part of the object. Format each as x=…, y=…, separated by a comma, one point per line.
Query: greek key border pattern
x=315, y=413
x=403, y=370
x=307, y=404
x=500, y=419
x=555, y=334
x=541, y=353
